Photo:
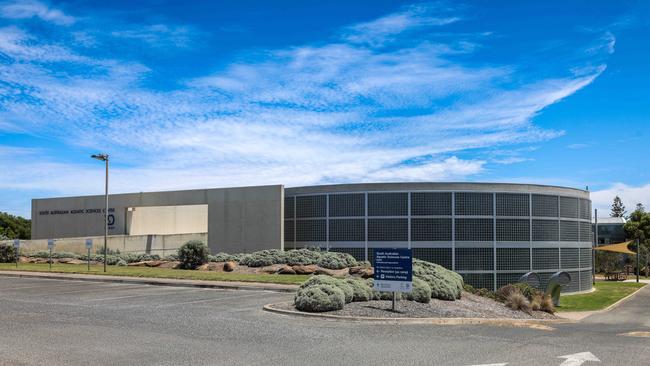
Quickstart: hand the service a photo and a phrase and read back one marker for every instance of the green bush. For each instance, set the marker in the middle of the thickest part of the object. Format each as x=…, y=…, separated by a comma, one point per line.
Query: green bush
x=527, y=290
x=444, y=284
x=347, y=290
x=264, y=258
x=469, y=288
x=121, y=263
x=332, y=260
x=171, y=257
x=302, y=256
x=7, y=253
x=361, y=290
x=421, y=292
x=319, y=298
x=193, y=254
x=483, y=292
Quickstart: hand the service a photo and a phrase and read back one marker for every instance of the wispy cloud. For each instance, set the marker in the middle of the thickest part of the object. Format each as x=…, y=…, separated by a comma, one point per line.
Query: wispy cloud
x=630, y=195
x=158, y=35
x=27, y=9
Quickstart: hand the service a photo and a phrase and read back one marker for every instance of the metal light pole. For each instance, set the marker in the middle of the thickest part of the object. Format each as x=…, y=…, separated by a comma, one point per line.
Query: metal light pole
x=638, y=250
x=104, y=158
x=593, y=251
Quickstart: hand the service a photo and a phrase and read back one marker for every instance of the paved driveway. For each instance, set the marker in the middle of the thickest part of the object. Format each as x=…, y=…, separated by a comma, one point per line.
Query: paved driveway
x=56, y=322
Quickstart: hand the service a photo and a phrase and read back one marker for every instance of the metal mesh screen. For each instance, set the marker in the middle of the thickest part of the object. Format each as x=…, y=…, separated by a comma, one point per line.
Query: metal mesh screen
x=546, y=230
x=441, y=256
x=585, y=209
x=513, y=230
x=568, y=230
x=310, y=230
x=474, y=230
x=569, y=207
x=585, y=257
x=352, y=204
x=508, y=278
x=509, y=259
x=546, y=258
x=431, y=204
x=513, y=204
x=347, y=230
x=474, y=259
x=544, y=206
x=586, y=280
x=570, y=258
x=288, y=230
x=371, y=256
x=288, y=207
x=388, y=229
x=574, y=285
x=388, y=204
x=586, y=232
x=357, y=253
x=430, y=229
x=479, y=280
x=311, y=206
x=474, y=204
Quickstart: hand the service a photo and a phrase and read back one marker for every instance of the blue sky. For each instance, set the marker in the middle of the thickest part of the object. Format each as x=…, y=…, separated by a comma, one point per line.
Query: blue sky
x=210, y=94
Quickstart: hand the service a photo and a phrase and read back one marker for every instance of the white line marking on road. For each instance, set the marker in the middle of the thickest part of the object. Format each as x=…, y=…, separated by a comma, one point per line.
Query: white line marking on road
x=492, y=364
x=578, y=359
x=130, y=296
x=206, y=300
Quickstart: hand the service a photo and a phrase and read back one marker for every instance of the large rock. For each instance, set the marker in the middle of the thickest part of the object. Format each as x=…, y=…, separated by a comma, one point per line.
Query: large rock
x=368, y=272
x=172, y=264
x=77, y=261
x=274, y=268
x=229, y=266
x=153, y=263
x=65, y=260
x=304, y=269
x=286, y=270
x=212, y=266
x=333, y=272
x=137, y=264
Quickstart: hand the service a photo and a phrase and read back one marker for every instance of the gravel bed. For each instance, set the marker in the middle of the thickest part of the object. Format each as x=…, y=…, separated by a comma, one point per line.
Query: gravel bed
x=469, y=306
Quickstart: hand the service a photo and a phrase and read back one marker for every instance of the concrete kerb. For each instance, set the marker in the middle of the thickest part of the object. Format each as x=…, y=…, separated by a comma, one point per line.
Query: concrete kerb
x=225, y=285
x=581, y=315
x=539, y=324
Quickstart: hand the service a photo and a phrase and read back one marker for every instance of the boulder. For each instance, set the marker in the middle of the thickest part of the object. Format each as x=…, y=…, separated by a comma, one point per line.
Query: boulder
x=212, y=266
x=172, y=264
x=65, y=260
x=153, y=263
x=286, y=270
x=332, y=272
x=304, y=269
x=229, y=266
x=366, y=272
x=274, y=268
x=76, y=261
x=137, y=264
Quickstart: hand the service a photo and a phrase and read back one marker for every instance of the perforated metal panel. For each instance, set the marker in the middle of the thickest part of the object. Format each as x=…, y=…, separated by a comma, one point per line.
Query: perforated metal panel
x=509, y=259
x=347, y=230
x=513, y=204
x=568, y=230
x=574, y=285
x=441, y=256
x=431, y=204
x=288, y=207
x=352, y=204
x=474, y=230
x=569, y=207
x=585, y=209
x=357, y=253
x=310, y=230
x=546, y=230
x=474, y=259
x=585, y=257
x=544, y=205
x=586, y=234
x=288, y=230
x=387, y=229
x=546, y=258
x=387, y=204
x=474, y=204
x=586, y=280
x=430, y=229
x=508, y=278
x=311, y=206
x=570, y=258
x=479, y=280
x=513, y=230
x=371, y=256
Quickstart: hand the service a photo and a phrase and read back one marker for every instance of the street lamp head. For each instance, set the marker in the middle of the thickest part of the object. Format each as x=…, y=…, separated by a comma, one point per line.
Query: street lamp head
x=102, y=157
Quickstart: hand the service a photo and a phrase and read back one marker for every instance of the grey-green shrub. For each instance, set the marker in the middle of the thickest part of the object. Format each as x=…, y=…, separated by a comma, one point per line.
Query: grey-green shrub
x=361, y=290
x=445, y=284
x=319, y=298
x=7, y=253
x=347, y=290
x=302, y=256
x=121, y=263
x=421, y=292
x=264, y=258
x=332, y=260
x=193, y=254
x=379, y=295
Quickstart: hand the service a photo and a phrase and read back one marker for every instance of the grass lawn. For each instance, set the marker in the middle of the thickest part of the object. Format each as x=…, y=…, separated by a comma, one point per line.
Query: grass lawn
x=606, y=294
x=157, y=273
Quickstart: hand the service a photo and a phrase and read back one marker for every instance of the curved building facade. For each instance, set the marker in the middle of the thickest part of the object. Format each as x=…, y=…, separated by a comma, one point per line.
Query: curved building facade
x=488, y=232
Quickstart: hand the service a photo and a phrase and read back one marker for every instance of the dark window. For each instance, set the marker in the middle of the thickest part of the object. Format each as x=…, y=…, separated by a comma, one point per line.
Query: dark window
x=352, y=204
x=440, y=256
x=347, y=230
x=311, y=206
x=310, y=230
x=388, y=204
x=569, y=207
x=546, y=230
x=513, y=259
x=513, y=204
x=430, y=229
x=546, y=258
x=474, y=204
x=388, y=230
x=545, y=206
x=474, y=259
x=430, y=204
x=513, y=230
x=474, y=230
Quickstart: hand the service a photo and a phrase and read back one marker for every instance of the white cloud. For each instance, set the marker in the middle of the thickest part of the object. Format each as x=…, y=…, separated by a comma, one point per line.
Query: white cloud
x=27, y=9
x=158, y=35
x=630, y=195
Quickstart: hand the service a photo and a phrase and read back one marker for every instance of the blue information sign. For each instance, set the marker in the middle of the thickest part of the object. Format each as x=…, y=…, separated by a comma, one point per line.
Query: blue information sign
x=393, y=270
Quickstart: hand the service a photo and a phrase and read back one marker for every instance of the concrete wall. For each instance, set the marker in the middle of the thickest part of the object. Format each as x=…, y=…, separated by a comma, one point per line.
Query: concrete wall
x=166, y=220
x=239, y=219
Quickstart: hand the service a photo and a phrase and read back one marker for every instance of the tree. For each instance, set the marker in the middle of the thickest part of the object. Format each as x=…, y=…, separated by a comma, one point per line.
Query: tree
x=638, y=227
x=15, y=227
x=640, y=207
x=618, y=208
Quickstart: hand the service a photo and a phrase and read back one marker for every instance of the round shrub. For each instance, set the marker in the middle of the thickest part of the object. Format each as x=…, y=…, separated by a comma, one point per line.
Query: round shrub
x=302, y=256
x=121, y=263
x=361, y=290
x=7, y=253
x=445, y=284
x=347, y=290
x=264, y=258
x=331, y=260
x=421, y=292
x=193, y=254
x=319, y=298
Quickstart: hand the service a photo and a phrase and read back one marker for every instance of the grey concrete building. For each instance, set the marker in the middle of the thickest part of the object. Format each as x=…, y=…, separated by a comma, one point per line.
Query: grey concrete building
x=491, y=233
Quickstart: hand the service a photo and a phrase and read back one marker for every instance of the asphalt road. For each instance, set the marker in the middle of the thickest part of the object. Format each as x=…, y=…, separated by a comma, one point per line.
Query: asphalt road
x=61, y=322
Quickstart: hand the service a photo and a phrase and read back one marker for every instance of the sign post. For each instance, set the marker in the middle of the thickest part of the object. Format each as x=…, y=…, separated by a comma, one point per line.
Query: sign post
x=89, y=245
x=50, y=246
x=17, y=247
x=393, y=271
